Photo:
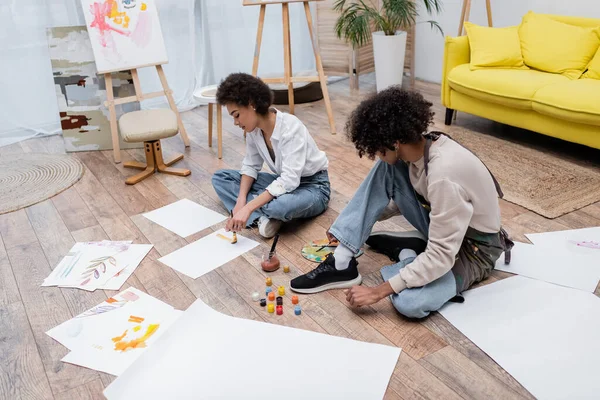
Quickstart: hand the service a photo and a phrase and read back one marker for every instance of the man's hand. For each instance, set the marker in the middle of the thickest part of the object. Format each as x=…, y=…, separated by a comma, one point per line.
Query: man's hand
x=359, y=296
x=239, y=219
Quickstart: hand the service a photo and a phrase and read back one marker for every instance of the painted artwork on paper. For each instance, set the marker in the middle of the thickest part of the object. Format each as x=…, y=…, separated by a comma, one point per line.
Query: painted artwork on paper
x=81, y=92
x=124, y=34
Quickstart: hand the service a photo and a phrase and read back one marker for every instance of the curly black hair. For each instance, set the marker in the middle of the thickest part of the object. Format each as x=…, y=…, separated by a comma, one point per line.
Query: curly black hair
x=244, y=90
x=394, y=114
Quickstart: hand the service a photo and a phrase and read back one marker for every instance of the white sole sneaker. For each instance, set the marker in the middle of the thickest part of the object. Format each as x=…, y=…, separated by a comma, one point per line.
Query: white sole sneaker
x=332, y=285
x=268, y=228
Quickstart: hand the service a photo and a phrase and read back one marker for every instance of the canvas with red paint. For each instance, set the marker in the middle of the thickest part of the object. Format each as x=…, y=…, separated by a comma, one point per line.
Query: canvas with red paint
x=125, y=34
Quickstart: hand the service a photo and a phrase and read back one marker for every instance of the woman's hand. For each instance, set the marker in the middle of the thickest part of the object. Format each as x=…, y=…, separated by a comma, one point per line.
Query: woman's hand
x=239, y=219
x=238, y=206
x=365, y=296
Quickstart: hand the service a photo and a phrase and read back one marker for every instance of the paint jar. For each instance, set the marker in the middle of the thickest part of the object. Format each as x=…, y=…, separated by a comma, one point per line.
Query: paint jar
x=270, y=262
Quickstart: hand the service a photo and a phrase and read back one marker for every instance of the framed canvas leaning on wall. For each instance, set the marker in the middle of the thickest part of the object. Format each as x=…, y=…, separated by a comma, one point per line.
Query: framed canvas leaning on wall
x=81, y=92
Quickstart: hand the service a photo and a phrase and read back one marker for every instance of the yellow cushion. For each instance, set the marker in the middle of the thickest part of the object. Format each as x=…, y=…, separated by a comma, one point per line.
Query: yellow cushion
x=577, y=101
x=593, y=71
x=509, y=87
x=494, y=47
x=556, y=47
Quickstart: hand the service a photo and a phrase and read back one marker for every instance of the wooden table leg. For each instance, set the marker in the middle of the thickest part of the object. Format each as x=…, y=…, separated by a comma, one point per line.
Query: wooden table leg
x=220, y=130
x=210, y=123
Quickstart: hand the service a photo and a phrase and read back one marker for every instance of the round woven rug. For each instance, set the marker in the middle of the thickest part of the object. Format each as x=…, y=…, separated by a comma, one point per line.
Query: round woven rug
x=27, y=179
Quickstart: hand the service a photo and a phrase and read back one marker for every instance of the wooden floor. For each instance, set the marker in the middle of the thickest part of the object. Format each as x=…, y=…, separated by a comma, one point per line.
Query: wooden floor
x=437, y=361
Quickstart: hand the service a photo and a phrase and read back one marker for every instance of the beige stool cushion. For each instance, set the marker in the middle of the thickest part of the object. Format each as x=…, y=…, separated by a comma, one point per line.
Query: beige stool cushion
x=147, y=125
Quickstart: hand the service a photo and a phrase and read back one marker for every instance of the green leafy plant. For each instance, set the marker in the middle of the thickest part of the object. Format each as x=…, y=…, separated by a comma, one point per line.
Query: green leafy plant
x=359, y=16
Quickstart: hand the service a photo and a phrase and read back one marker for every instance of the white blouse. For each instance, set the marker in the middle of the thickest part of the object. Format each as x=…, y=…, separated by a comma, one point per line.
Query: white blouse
x=296, y=154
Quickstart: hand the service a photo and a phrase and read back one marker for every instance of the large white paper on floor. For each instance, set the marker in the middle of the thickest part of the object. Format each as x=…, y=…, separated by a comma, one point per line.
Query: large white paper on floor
x=575, y=241
x=552, y=265
x=209, y=355
x=544, y=335
x=208, y=253
x=98, y=265
x=110, y=336
x=184, y=217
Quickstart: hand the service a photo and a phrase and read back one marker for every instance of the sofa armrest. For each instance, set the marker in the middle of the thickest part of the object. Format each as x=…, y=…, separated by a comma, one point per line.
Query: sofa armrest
x=456, y=52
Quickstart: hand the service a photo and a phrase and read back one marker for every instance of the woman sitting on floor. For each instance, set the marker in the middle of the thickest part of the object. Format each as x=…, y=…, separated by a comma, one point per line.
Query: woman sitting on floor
x=299, y=184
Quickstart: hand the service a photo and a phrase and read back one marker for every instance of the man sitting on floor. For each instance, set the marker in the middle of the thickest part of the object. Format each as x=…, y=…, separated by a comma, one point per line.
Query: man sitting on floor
x=440, y=187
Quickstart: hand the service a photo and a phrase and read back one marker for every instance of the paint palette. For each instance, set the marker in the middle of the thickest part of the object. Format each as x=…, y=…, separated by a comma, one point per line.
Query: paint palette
x=318, y=250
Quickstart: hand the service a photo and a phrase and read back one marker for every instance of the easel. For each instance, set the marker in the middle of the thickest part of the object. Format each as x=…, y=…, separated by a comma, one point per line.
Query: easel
x=466, y=11
x=288, y=79
x=139, y=96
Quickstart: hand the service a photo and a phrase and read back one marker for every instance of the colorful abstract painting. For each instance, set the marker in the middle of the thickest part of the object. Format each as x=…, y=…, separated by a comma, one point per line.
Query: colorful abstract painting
x=81, y=92
x=125, y=34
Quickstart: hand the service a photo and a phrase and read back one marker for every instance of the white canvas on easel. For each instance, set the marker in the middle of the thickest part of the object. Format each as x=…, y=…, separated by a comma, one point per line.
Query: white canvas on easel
x=125, y=34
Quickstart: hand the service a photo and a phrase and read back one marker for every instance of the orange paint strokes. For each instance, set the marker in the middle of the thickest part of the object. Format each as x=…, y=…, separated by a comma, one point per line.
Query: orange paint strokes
x=119, y=338
x=133, y=318
x=111, y=300
x=137, y=343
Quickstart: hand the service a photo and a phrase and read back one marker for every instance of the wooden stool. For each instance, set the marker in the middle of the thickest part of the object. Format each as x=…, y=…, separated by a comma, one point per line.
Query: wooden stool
x=149, y=126
x=208, y=94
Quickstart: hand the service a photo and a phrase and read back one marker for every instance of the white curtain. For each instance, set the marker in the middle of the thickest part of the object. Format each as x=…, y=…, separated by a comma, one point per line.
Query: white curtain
x=205, y=41
x=228, y=37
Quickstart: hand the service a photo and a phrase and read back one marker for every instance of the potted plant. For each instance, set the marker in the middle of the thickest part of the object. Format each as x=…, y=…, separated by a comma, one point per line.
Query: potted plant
x=388, y=17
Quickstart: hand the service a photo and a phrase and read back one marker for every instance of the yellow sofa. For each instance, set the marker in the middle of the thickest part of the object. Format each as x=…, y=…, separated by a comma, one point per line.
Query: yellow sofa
x=548, y=103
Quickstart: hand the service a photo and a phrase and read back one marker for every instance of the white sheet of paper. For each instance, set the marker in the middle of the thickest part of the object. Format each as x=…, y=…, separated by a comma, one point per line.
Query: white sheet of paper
x=81, y=327
x=544, y=335
x=97, y=346
x=574, y=241
x=553, y=265
x=87, y=266
x=209, y=355
x=208, y=253
x=184, y=217
x=132, y=258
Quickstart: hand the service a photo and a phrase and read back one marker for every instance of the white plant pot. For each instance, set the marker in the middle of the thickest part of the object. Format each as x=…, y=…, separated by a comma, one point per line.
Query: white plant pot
x=389, y=52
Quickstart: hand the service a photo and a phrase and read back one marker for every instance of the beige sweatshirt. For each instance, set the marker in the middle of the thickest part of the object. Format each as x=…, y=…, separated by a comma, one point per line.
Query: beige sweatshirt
x=462, y=194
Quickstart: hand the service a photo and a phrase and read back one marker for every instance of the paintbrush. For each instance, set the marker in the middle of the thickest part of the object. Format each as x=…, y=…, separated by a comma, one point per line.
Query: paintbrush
x=272, y=252
x=234, y=240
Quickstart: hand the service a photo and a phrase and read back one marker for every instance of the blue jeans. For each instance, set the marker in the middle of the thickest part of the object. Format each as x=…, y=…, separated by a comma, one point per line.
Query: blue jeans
x=354, y=224
x=309, y=199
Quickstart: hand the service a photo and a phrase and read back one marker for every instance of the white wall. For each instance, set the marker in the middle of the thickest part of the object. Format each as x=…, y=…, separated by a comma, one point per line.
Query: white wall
x=430, y=44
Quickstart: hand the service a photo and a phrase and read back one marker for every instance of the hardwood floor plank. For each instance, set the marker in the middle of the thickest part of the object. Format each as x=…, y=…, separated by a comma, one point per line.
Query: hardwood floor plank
x=128, y=196
x=465, y=377
x=22, y=374
x=9, y=292
x=50, y=230
x=89, y=391
x=56, y=241
x=411, y=381
x=459, y=342
x=46, y=308
x=73, y=210
x=13, y=227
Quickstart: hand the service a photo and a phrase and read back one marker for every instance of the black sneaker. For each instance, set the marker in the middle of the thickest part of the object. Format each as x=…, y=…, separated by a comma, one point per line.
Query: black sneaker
x=326, y=277
x=391, y=243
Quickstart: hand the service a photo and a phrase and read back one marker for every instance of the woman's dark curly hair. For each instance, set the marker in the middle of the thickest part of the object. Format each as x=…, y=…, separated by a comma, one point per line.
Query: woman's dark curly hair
x=244, y=90
x=394, y=114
